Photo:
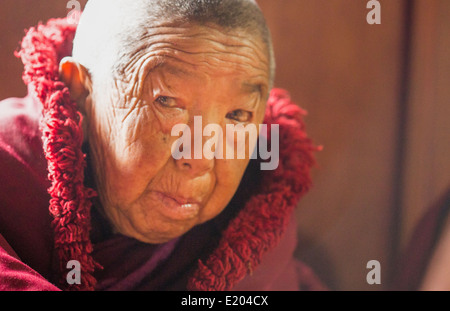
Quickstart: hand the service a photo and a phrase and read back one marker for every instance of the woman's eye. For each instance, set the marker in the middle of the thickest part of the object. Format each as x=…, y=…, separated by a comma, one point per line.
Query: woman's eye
x=240, y=115
x=166, y=101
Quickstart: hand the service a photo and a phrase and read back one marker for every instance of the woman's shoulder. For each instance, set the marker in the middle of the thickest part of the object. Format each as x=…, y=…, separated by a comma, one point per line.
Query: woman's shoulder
x=19, y=128
x=24, y=200
x=422, y=263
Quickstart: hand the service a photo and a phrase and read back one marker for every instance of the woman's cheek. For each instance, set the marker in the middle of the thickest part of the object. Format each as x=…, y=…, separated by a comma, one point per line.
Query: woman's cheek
x=228, y=177
x=138, y=155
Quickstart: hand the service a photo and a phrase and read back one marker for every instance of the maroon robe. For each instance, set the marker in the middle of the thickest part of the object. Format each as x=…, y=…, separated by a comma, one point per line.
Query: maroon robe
x=26, y=240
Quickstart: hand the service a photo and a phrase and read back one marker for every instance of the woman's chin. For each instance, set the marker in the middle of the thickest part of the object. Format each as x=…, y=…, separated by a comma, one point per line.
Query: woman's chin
x=155, y=236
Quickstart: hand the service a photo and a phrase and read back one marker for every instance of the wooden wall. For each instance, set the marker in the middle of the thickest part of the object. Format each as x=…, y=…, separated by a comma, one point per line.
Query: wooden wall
x=426, y=165
x=348, y=75
x=378, y=101
x=15, y=17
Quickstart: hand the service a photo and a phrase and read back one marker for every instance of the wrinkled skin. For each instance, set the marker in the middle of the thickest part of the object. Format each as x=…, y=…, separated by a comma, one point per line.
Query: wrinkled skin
x=181, y=72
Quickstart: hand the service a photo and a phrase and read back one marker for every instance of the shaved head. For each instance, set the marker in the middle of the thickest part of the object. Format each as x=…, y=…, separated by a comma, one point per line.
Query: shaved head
x=110, y=32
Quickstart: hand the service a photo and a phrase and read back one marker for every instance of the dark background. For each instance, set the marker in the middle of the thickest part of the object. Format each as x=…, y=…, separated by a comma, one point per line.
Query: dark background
x=378, y=101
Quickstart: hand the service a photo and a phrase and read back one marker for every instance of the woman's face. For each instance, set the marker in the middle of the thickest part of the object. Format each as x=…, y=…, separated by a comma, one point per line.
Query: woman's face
x=180, y=73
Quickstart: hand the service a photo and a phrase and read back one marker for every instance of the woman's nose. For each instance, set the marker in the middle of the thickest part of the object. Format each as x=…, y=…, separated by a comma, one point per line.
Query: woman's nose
x=197, y=156
x=194, y=161
x=195, y=167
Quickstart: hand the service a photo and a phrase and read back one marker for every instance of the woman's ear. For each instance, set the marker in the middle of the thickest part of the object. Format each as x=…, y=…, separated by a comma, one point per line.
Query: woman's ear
x=77, y=79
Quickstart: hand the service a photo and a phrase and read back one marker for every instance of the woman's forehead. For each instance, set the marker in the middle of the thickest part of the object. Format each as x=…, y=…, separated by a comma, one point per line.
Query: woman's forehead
x=200, y=46
x=174, y=73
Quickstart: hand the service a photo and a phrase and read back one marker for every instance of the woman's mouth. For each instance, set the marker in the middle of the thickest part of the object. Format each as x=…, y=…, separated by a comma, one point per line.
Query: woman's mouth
x=176, y=207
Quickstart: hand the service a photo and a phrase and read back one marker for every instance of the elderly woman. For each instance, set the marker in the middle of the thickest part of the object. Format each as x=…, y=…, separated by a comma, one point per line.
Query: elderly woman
x=92, y=196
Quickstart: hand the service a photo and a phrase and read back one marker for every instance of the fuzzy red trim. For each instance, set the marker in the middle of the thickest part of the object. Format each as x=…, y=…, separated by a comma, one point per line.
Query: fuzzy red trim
x=41, y=51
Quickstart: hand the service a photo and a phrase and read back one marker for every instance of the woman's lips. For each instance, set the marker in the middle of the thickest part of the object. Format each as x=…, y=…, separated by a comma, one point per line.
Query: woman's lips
x=178, y=208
